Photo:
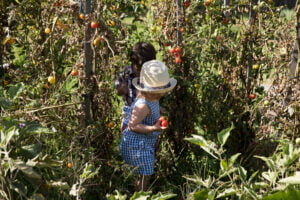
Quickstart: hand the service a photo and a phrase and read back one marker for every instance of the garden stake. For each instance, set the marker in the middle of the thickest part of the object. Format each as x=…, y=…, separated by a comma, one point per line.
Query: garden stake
x=88, y=67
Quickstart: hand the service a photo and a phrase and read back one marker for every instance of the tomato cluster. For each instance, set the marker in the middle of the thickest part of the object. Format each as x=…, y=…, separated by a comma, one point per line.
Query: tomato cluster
x=177, y=53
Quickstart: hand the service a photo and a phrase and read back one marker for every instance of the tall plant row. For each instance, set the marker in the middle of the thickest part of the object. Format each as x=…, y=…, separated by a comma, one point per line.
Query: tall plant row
x=234, y=114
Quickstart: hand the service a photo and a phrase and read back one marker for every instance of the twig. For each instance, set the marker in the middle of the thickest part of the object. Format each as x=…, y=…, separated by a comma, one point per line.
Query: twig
x=50, y=107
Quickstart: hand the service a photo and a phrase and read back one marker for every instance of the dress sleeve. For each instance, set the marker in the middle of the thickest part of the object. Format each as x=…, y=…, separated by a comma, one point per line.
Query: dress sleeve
x=120, y=78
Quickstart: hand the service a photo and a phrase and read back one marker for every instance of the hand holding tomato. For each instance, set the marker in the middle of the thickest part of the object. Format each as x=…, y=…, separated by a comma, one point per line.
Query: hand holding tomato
x=163, y=122
x=158, y=126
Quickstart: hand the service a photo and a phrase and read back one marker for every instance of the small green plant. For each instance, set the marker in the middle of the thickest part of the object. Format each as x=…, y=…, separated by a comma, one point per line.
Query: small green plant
x=233, y=180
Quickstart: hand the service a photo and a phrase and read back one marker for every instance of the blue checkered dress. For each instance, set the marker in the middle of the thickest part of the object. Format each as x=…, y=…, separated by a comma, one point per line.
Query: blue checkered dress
x=138, y=149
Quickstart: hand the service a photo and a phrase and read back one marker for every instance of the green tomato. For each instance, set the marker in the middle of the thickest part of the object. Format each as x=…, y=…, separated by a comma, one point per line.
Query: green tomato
x=266, y=103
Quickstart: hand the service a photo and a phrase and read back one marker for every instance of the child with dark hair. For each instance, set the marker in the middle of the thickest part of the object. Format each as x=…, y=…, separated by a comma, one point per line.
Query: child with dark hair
x=141, y=52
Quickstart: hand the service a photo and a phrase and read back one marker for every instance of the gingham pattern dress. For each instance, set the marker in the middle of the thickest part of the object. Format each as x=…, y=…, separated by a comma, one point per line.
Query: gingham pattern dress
x=138, y=149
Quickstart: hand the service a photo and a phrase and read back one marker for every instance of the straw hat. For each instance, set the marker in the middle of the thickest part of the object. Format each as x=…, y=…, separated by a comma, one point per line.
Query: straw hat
x=154, y=78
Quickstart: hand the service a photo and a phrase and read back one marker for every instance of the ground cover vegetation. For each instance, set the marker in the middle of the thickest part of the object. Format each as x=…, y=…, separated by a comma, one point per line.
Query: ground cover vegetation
x=233, y=118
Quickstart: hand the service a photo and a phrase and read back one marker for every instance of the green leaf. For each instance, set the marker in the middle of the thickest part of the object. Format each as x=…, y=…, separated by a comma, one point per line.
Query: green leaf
x=290, y=155
x=5, y=103
x=253, y=175
x=259, y=185
x=227, y=192
x=7, y=135
x=140, y=196
x=224, y=134
x=199, y=140
x=223, y=165
x=89, y=172
x=15, y=90
x=160, y=196
x=19, y=187
x=117, y=196
x=242, y=173
x=271, y=164
x=37, y=129
x=19, y=54
x=270, y=176
x=37, y=197
x=233, y=158
x=292, y=179
x=288, y=194
x=32, y=150
x=69, y=85
x=59, y=184
x=200, y=195
x=46, y=161
x=28, y=170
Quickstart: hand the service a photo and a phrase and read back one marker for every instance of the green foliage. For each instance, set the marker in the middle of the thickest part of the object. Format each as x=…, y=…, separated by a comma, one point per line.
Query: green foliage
x=234, y=180
x=289, y=193
x=19, y=54
x=141, y=196
x=215, y=128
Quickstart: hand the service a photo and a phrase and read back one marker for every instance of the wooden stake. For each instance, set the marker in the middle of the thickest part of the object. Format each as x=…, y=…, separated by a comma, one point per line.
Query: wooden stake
x=88, y=67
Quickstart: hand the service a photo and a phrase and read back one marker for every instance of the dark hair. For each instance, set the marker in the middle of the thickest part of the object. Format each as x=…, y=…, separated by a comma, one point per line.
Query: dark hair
x=142, y=52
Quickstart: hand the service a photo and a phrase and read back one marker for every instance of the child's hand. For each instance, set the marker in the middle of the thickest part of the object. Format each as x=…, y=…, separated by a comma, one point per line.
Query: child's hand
x=158, y=126
x=122, y=88
x=162, y=123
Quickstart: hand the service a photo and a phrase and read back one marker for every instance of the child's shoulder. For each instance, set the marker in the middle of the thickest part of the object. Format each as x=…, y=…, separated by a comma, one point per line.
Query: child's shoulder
x=140, y=101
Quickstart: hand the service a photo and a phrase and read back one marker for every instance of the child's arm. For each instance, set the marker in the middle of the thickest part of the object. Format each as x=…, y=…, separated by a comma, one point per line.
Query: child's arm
x=122, y=88
x=139, y=113
x=121, y=84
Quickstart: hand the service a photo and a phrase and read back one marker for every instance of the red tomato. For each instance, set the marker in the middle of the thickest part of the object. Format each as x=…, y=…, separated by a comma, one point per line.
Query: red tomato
x=178, y=49
x=172, y=50
x=164, y=123
x=252, y=96
x=178, y=60
x=162, y=118
x=94, y=24
x=177, y=54
x=187, y=3
x=74, y=72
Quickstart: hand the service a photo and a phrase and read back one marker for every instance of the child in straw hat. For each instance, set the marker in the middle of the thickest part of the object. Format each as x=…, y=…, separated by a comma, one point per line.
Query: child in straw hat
x=138, y=140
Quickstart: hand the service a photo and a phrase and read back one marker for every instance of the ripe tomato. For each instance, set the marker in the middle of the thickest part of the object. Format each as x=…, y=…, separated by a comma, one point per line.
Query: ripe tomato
x=172, y=50
x=82, y=16
x=110, y=124
x=178, y=60
x=162, y=118
x=6, y=82
x=97, y=41
x=252, y=96
x=74, y=72
x=111, y=22
x=164, y=123
x=70, y=165
x=178, y=49
x=207, y=3
x=47, y=30
x=94, y=24
x=177, y=54
x=187, y=3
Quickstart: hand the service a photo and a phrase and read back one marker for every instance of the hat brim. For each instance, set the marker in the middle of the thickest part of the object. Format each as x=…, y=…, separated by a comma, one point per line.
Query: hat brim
x=170, y=87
